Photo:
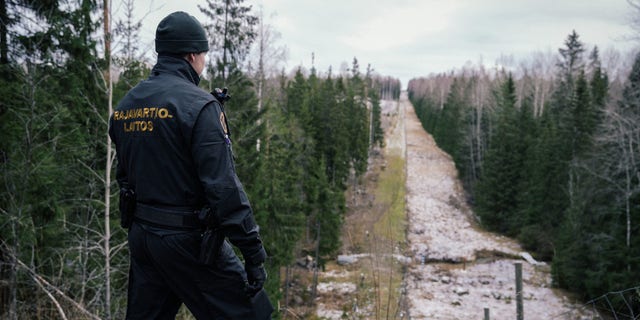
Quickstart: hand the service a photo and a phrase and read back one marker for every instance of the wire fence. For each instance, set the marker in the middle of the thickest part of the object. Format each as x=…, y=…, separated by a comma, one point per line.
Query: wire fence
x=618, y=305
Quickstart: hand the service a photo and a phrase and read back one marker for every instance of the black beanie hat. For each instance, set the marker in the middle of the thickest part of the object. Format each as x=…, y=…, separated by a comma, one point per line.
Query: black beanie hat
x=180, y=33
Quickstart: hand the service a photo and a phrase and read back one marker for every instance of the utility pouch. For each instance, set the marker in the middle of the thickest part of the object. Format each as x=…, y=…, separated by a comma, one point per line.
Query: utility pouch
x=212, y=238
x=127, y=207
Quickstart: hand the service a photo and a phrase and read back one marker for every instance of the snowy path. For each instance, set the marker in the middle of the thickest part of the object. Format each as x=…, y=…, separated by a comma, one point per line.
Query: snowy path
x=458, y=269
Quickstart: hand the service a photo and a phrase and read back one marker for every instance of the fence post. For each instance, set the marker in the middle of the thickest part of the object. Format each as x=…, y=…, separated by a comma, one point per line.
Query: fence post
x=486, y=314
x=519, y=308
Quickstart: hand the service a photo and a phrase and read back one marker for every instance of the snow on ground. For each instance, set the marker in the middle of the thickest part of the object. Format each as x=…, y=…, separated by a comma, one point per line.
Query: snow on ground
x=439, y=291
x=458, y=269
x=454, y=269
x=439, y=227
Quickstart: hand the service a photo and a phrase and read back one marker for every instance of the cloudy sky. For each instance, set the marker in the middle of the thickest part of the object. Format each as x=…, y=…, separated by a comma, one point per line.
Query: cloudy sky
x=412, y=38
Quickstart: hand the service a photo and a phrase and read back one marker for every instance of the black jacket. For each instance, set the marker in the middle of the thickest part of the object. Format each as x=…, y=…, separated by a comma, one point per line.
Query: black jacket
x=173, y=149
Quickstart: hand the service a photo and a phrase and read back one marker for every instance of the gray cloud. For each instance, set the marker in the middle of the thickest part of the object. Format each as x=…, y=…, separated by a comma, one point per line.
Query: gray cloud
x=407, y=38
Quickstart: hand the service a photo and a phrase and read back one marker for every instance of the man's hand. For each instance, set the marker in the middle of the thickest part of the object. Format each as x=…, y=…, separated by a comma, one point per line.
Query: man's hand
x=256, y=276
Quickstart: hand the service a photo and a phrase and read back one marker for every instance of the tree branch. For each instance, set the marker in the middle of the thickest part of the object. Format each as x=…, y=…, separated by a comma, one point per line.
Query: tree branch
x=44, y=284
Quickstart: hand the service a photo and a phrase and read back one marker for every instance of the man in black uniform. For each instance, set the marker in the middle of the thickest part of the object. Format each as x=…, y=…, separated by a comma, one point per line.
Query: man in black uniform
x=177, y=179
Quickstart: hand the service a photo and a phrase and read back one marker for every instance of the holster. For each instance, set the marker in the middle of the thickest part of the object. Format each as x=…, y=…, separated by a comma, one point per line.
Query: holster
x=127, y=207
x=212, y=238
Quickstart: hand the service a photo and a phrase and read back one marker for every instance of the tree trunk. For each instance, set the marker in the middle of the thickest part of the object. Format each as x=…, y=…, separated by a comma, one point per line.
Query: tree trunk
x=224, y=43
x=107, y=183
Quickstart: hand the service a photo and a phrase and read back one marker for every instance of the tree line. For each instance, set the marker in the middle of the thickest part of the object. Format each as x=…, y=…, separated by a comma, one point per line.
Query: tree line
x=549, y=154
x=300, y=139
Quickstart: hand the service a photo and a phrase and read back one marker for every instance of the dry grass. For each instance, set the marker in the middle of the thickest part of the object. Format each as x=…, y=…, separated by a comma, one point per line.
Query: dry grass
x=390, y=196
x=375, y=226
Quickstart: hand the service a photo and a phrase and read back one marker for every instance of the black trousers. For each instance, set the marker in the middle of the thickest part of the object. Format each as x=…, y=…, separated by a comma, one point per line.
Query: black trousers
x=165, y=273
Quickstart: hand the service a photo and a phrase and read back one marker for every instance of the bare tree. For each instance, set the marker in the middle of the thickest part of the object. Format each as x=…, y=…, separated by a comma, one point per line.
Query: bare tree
x=622, y=160
x=50, y=290
x=634, y=18
x=19, y=169
x=268, y=57
x=109, y=160
x=541, y=70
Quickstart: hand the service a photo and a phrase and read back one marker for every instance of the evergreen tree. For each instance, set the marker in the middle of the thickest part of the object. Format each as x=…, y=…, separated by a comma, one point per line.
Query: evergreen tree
x=566, y=132
x=631, y=94
x=599, y=83
x=571, y=63
x=358, y=126
x=427, y=111
x=497, y=190
x=448, y=131
x=232, y=32
x=377, y=134
x=611, y=205
x=134, y=70
x=583, y=118
x=297, y=91
x=279, y=203
x=333, y=128
x=328, y=211
x=51, y=171
x=576, y=190
x=543, y=200
x=245, y=127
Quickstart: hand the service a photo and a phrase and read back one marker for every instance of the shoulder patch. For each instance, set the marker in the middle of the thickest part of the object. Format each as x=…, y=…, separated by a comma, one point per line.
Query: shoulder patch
x=223, y=123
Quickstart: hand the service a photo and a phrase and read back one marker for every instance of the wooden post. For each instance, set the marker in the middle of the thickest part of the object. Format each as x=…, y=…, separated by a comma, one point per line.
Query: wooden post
x=486, y=314
x=519, y=308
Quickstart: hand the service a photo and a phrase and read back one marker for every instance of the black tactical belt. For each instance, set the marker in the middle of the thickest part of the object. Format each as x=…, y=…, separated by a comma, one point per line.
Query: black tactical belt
x=167, y=217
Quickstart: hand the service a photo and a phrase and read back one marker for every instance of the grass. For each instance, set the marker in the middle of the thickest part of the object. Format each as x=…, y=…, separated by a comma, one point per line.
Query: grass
x=389, y=235
x=375, y=226
x=390, y=195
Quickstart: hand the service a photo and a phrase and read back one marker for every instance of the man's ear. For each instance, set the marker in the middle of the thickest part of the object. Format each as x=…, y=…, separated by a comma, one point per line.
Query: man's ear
x=191, y=57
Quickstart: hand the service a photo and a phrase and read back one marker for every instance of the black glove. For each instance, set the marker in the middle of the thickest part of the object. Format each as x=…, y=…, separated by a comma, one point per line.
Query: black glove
x=256, y=276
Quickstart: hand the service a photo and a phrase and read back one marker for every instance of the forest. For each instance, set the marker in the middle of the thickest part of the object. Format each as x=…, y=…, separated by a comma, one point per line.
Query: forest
x=300, y=138
x=548, y=151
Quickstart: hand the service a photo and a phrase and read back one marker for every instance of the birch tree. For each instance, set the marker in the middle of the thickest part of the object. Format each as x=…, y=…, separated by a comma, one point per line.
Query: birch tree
x=268, y=56
x=109, y=158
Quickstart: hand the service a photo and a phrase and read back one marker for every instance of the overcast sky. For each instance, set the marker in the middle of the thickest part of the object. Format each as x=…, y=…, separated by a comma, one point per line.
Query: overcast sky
x=412, y=38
